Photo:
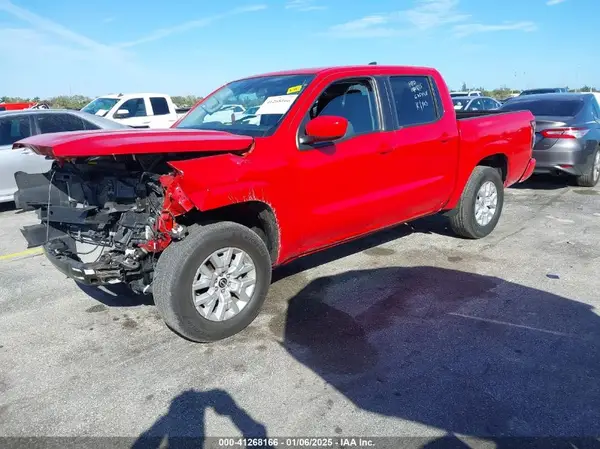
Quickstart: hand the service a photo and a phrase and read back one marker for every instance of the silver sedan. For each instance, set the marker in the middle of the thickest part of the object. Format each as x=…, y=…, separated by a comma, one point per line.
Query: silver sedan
x=467, y=104
x=17, y=125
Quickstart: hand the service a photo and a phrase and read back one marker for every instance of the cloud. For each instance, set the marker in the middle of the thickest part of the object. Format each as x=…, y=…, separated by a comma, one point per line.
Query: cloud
x=554, y=2
x=377, y=25
x=42, y=24
x=192, y=24
x=304, y=5
x=67, y=59
x=71, y=60
x=434, y=13
x=475, y=28
x=424, y=16
x=56, y=68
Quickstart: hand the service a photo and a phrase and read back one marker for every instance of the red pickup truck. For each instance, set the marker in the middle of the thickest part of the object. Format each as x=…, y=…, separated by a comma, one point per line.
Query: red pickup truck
x=199, y=214
x=16, y=106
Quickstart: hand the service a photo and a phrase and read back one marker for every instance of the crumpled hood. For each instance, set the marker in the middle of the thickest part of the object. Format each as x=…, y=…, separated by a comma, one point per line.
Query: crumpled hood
x=133, y=141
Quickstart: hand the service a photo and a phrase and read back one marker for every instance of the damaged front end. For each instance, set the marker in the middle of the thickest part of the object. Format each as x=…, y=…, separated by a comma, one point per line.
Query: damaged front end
x=104, y=219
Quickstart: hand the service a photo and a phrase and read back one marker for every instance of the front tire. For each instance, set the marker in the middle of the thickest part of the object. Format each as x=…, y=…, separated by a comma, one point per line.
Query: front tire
x=480, y=205
x=592, y=174
x=212, y=284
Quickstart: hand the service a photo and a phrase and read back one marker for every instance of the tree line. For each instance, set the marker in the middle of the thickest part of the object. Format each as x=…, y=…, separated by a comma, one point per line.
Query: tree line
x=79, y=101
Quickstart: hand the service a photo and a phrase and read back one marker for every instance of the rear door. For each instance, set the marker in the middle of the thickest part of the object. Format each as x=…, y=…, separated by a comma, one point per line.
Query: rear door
x=12, y=129
x=425, y=147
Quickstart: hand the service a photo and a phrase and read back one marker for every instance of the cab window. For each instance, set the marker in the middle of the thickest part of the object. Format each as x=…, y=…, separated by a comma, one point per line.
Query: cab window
x=352, y=99
x=413, y=100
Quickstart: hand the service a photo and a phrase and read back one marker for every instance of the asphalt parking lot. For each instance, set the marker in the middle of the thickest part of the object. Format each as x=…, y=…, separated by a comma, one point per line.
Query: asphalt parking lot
x=410, y=332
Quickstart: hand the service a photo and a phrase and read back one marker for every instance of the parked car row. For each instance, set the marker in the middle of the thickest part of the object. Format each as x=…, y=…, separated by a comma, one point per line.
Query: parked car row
x=544, y=90
x=273, y=167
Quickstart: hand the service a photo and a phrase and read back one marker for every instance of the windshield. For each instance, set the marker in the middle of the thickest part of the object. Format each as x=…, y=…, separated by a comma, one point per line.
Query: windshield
x=457, y=94
x=460, y=103
x=100, y=106
x=554, y=107
x=272, y=96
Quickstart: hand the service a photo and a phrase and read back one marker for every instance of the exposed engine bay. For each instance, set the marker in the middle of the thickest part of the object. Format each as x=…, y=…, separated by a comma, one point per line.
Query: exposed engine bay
x=103, y=219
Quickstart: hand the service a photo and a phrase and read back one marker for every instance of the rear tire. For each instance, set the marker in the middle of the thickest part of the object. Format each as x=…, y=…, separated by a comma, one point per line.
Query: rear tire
x=592, y=174
x=177, y=270
x=465, y=220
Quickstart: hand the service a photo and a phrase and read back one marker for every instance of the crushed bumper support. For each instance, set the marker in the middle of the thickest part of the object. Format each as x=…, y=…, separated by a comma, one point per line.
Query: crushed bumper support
x=96, y=273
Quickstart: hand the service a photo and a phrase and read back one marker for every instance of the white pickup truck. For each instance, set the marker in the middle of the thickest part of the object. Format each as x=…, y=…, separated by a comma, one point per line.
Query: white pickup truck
x=138, y=110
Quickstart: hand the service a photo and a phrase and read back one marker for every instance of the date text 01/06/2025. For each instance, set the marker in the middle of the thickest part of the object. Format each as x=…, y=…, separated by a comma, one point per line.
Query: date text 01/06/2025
x=338, y=442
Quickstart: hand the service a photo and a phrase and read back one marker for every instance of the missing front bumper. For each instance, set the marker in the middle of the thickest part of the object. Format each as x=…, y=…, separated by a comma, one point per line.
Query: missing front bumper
x=96, y=273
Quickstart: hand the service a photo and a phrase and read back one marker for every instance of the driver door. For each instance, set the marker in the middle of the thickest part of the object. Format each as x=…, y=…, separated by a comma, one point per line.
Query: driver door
x=342, y=186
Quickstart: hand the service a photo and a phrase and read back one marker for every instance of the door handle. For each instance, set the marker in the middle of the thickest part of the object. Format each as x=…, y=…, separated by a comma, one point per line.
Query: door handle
x=386, y=149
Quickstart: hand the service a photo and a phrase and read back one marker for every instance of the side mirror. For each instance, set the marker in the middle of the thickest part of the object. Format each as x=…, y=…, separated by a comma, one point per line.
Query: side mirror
x=121, y=113
x=325, y=128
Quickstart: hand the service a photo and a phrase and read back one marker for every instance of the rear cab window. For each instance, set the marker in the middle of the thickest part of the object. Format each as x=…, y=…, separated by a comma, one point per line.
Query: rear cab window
x=14, y=128
x=160, y=106
x=416, y=100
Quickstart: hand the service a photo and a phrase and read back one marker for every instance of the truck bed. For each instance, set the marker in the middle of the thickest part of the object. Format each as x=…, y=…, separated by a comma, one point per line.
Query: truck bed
x=482, y=134
x=471, y=114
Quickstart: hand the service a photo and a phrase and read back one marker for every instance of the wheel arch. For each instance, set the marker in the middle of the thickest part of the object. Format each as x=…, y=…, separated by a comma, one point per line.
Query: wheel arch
x=498, y=161
x=254, y=214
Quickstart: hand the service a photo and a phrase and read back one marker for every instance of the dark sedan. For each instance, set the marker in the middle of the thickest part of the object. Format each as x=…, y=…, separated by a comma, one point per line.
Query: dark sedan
x=567, y=133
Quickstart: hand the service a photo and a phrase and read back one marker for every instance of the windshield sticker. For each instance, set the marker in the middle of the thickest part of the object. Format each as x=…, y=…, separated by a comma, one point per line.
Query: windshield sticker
x=276, y=105
x=294, y=89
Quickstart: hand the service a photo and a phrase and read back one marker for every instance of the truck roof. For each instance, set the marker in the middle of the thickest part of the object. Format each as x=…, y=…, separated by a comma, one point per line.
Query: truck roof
x=378, y=69
x=134, y=94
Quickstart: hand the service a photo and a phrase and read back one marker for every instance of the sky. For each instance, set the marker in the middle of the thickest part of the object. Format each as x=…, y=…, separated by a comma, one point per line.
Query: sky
x=62, y=47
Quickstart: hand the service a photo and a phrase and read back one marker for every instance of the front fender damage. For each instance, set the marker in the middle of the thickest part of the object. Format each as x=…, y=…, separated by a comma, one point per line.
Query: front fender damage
x=166, y=228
